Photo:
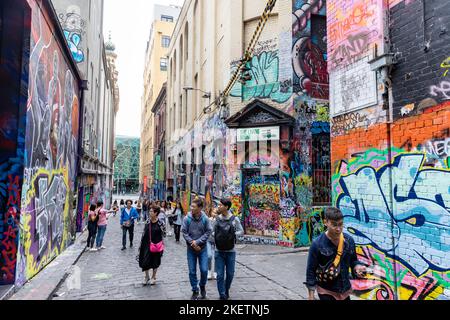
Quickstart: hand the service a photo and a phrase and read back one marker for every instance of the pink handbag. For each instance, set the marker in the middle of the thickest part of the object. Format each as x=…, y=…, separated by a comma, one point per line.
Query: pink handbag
x=155, y=247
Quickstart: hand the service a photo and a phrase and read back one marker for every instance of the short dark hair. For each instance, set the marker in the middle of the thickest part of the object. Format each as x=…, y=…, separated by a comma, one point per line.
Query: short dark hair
x=156, y=209
x=226, y=202
x=92, y=207
x=198, y=202
x=126, y=202
x=333, y=214
x=99, y=203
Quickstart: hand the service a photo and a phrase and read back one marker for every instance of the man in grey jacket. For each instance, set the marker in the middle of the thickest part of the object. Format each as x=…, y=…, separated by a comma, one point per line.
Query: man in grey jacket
x=226, y=230
x=196, y=230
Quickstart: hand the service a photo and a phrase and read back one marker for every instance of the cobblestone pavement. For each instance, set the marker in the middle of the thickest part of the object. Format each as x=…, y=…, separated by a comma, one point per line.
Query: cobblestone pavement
x=262, y=273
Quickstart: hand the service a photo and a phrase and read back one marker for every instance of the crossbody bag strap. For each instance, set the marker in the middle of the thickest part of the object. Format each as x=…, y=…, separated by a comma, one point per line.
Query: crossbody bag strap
x=340, y=250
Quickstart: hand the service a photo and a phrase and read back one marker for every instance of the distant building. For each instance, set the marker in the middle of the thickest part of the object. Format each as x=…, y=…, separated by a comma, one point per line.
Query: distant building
x=126, y=165
x=155, y=75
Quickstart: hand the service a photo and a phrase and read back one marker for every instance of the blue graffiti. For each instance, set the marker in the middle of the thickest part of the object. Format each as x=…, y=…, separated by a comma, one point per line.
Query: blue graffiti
x=320, y=127
x=407, y=219
x=74, y=40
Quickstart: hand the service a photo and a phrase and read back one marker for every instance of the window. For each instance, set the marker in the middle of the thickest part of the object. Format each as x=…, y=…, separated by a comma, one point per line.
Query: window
x=321, y=167
x=163, y=64
x=166, y=18
x=165, y=41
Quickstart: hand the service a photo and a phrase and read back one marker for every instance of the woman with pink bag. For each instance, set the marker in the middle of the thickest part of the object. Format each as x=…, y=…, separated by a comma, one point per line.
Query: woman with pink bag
x=152, y=246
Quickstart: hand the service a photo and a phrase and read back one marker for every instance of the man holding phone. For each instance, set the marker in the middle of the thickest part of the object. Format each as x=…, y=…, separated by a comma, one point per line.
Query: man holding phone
x=196, y=230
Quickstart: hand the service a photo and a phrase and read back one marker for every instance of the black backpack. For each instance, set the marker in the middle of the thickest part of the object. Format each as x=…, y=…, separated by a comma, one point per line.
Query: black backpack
x=224, y=234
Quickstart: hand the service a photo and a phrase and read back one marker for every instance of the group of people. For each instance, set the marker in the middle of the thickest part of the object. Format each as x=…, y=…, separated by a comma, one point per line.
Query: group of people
x=211, y=237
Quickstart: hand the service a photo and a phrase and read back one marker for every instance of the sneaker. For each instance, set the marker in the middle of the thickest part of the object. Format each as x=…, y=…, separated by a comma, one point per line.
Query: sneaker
x=194, y=295
x=93, y=249
x=124, y=248
x=215, y=275
x=210, y=275
x=203, y=292
x=102, y=247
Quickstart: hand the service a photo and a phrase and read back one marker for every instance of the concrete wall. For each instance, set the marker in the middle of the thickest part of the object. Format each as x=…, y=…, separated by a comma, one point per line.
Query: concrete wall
x=391, y=178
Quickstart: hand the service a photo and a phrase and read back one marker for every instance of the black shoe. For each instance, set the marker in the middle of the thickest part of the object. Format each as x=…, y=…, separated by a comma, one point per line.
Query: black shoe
x=194, y=295
x=227, y=295
x=124, y=248
x=203, y=292
x=131, y=245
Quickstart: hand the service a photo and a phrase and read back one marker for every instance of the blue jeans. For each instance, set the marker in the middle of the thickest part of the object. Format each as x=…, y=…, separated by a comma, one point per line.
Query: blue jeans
x=211, y=248
x=100, y=235
x=202, y=257
x=225, y=260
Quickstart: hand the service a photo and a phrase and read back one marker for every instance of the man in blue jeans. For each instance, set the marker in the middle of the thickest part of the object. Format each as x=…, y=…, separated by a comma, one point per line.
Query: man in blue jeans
x=127, y=218
x=196, y=230
x=226, y=229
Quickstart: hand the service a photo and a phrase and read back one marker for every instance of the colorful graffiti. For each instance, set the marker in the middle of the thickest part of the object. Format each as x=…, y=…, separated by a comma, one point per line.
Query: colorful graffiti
x=13, y=97
x=351, y=29
x=408, y=221
x=51, y=148
x=74, y=29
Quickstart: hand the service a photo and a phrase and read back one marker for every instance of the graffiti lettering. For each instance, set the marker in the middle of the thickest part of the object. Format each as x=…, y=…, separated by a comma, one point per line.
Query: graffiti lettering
x=443, y=89
x=446, y=65
x=346, y=122
x=74, y=25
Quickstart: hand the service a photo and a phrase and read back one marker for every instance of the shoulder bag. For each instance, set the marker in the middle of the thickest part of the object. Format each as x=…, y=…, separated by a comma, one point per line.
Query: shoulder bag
x=155, y=247
x=332, y=270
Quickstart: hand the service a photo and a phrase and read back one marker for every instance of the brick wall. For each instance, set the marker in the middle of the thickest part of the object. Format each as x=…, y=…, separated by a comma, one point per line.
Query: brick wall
x=391, y=180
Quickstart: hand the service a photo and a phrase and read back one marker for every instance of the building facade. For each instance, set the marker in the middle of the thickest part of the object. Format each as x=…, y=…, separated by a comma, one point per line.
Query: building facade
x=390, y=108
x=83, y=29
x=159, y=146
x=155, y=75
x=266, y=145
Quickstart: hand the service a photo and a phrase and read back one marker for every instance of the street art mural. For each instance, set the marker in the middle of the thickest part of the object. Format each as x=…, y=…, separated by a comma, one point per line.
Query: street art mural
x=74, y=27
x=13, y=97
x=51, y=149
x=126, y=165
x=309, y=52
x=264, y=69
x=352, y=29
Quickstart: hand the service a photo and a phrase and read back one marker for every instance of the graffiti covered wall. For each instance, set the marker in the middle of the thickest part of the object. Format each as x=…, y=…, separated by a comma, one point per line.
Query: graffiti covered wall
x=51, y=148
x=13, y=95
x=391, y=181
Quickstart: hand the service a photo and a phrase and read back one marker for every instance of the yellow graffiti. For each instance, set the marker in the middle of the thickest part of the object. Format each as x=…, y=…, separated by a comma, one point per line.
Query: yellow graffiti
x=289, y=226
x=32, y=266
x=446, y=65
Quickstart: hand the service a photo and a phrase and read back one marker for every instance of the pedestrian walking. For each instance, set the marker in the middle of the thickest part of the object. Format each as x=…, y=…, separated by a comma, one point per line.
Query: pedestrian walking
x=139, y=210
x=196, y=230
x=127, y=218
x=145, y=209
x=122, y=205
x=330, y=258
x=166, y=209
x=226, y=230
x=92, y=227
x=101, y=224
x=151, y=249
x=179, y=215
x=211, y=246
x=115, y=208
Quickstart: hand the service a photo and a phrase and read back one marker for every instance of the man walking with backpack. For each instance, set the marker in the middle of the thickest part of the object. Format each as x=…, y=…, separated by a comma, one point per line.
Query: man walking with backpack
x=226, y=230
x=196, y=231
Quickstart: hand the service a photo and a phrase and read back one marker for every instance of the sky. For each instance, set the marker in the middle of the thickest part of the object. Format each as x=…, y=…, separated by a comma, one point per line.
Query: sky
x=129, y=23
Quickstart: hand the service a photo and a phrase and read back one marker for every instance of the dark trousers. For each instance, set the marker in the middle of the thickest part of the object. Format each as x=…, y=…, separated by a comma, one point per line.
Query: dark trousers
x=92, y=233
x=328, y=297
x=130, y=229
x=177, y=230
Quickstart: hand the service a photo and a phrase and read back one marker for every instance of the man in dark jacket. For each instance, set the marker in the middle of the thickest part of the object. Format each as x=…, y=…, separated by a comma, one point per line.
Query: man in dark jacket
x=196, y=230
x=331, y=256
